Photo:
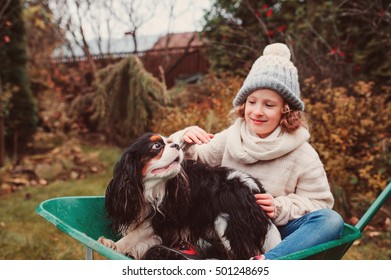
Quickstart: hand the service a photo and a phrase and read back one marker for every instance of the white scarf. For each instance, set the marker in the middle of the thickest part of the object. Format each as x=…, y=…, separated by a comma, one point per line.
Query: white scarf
x=248, y=147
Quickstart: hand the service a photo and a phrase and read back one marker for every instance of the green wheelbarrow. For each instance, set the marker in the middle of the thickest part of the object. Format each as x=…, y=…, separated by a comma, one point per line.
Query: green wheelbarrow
x=84, y=219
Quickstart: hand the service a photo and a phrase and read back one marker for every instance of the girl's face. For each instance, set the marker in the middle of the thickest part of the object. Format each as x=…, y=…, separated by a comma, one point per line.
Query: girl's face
x=263, y=111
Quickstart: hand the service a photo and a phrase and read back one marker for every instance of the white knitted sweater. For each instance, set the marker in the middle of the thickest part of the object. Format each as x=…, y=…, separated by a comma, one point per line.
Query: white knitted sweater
x=286, y=164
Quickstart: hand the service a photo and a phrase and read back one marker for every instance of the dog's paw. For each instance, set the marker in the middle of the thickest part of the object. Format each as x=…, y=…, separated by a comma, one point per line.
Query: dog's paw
x=108, y=243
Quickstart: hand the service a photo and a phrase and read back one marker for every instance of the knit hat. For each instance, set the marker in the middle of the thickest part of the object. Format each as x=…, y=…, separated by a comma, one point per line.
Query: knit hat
x=274, y=71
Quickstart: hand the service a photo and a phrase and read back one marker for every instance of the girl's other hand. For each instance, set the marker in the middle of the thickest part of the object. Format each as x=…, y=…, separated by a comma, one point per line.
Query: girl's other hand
x=196, y=135
x=266, y=201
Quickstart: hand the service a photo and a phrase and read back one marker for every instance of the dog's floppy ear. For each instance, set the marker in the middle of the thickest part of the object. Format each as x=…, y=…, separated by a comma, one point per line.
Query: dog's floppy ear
x=124, y=194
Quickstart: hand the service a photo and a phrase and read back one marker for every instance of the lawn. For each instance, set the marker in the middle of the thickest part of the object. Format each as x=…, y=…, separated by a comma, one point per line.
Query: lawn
x=26, y=236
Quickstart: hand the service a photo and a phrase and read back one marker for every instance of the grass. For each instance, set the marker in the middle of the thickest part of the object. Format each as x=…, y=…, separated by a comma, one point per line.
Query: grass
x=371, y=247
x=26, y=236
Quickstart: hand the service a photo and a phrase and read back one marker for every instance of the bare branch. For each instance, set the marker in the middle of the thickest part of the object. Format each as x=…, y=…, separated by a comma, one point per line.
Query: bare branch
x=259, y=19
x=3, y=9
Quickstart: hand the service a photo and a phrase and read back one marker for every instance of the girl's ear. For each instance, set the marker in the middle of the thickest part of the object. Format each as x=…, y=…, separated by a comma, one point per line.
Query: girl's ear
x=286, y=109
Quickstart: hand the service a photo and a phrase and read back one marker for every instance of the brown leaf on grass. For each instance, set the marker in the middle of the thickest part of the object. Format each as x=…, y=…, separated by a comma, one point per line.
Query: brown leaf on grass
x=64, y=162
x=387, y=224
x=374, y=234
x=353, y=220
x=357, y=242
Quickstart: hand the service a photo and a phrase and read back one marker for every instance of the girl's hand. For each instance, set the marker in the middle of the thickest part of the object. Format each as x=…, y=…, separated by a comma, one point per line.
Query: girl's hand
x=266, y=201
x=196, y=135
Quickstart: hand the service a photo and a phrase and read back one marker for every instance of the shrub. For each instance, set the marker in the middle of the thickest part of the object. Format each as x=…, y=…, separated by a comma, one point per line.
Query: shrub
x=350, y=130
x=123, y=101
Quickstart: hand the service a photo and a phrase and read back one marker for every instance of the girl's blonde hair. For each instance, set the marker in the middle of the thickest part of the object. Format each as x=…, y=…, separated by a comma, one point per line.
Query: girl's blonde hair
x=291, y=120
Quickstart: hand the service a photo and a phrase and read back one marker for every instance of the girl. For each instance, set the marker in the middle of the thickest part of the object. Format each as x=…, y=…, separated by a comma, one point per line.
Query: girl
x=269, y=140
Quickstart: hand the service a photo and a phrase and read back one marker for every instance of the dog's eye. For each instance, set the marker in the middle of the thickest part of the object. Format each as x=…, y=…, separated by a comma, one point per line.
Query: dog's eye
x=156, y=146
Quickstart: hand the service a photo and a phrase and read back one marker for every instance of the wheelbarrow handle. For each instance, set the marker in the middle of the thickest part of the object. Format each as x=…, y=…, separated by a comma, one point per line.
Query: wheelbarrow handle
x=374, y=208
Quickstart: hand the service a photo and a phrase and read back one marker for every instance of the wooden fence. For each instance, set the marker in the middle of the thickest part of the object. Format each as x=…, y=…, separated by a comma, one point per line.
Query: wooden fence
x=172, y=64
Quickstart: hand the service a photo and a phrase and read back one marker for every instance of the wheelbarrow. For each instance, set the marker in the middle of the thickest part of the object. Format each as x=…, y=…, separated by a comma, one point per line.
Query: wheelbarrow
x=84, y=218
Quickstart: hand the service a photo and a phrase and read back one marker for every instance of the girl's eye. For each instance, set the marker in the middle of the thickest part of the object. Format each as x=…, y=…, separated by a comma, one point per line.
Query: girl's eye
x=251, y=102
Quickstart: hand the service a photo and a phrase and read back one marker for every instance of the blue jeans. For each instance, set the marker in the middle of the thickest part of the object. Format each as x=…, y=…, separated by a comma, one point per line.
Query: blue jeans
x=312, y=229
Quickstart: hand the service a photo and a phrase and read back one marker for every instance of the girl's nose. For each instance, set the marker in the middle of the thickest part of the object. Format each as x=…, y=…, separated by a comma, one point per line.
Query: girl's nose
x=258, y=110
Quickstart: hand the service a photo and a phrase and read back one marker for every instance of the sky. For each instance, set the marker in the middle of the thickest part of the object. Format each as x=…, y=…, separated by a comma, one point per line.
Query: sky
x=188, y=17
x=187, y=14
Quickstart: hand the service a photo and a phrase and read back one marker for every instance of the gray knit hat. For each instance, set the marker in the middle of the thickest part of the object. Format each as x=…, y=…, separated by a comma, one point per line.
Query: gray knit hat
x=275, y=71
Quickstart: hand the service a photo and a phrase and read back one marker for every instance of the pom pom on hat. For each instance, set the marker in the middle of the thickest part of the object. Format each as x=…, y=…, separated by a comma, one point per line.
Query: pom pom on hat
x=277, y=49
x=273, y=70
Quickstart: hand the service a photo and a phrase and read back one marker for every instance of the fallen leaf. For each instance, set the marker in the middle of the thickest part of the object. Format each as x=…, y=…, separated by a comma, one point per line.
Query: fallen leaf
x=357, y=242
x=42, y=182
x=94, y=169
x=74, y=175
x=387, y=224
x=374, y=234
x=353, y=220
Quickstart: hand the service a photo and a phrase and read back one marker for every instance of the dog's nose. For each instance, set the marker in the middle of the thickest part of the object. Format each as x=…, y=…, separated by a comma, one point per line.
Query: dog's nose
x=176, y=146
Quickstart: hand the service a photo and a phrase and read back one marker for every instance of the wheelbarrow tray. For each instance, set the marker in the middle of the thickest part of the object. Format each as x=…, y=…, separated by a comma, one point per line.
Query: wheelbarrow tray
x=335, y=249
x=332, y=250
x=84, y=219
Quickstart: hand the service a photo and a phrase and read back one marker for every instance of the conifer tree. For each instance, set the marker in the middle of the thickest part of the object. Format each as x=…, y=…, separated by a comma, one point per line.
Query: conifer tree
x=124, y=101
x=21, y=114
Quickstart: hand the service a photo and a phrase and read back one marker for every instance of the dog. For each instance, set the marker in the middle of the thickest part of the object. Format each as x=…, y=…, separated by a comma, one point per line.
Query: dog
x=157, y=197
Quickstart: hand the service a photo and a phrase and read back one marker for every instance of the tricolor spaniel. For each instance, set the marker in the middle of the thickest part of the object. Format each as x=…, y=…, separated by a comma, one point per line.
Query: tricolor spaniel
x=156, y=197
